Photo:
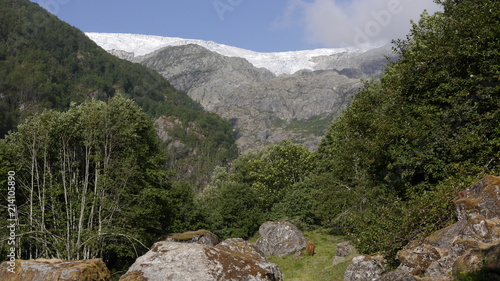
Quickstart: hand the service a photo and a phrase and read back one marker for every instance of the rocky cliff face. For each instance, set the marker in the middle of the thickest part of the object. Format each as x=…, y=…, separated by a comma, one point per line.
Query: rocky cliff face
x=265, y=107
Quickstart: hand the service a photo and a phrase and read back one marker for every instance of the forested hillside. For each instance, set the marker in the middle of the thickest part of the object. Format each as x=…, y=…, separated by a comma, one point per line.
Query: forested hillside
x=45, y=63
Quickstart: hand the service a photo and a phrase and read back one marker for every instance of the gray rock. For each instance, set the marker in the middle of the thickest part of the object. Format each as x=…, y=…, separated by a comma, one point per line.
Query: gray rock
x=344, y=249
x=241, y=246
x=481, y=199
x=280, y=239
x=397, y=275
x=365, y=268
x=189, y=262
x=201, y=236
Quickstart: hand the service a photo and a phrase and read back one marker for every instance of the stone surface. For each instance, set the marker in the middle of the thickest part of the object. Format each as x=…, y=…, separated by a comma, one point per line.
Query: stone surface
x=365, y=268
x=53, y=270
x=201, y=236
x=230, y=260
x=241, y=246
x=280, y=239
x=397, y=275
x=468, y=245
x=344, y=249
x=481, y=199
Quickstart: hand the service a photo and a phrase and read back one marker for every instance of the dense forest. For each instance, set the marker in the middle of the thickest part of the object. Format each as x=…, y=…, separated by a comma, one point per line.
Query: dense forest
x=93, y=179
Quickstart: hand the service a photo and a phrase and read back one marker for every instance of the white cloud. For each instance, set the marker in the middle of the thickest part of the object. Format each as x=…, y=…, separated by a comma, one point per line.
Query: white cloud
x=356, y=22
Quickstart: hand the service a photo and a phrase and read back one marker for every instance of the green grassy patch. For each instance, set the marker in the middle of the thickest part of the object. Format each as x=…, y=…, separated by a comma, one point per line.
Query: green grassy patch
x=316, y=125
x=318, y=267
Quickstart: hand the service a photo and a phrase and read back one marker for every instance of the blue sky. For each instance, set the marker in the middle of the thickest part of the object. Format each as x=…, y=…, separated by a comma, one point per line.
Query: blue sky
x=258, y=25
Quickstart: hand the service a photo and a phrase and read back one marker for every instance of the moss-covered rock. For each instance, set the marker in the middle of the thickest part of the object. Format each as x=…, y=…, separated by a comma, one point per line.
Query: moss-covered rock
x=201, y=236
x=54, y=269
x=471, y=244
x=234, y=260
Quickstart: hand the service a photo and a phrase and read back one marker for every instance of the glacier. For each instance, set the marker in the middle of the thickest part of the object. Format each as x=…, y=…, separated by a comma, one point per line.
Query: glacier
x=276, y=62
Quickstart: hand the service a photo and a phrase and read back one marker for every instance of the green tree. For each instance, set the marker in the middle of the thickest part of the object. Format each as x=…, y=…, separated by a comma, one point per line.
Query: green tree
x=91, y=182
x=273, y=170
x=260, y=185
x=231, y=209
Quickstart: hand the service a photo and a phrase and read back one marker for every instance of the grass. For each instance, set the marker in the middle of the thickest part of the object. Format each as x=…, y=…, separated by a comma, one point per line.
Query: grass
x=316, y=125
x=318, y=267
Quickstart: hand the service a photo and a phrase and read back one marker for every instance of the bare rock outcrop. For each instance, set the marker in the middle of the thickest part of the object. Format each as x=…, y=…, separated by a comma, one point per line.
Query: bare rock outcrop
x=471, y=244
x=54, y=269
x=230, y=260
x=280, y=239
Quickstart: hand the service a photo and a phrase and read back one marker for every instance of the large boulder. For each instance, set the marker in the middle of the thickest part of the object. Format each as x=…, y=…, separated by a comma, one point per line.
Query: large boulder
x=231, y=260
x=280, y=239
x=54, y=269
x=468, y=245
x=201, y=236
x=241, y=246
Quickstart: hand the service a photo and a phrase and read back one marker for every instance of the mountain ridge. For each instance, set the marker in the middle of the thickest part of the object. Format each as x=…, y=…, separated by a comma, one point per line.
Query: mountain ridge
x=277, y=62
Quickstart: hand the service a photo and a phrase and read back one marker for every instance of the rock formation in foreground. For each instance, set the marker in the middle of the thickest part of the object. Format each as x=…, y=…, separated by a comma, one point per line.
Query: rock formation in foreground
x=201, y=236
x=471, y=244
x=54, y=270
x=232, y=259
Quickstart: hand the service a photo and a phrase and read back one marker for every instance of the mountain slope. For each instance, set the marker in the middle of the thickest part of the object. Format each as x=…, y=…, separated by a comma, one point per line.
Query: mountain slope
x=45, y=63
x=263, y=106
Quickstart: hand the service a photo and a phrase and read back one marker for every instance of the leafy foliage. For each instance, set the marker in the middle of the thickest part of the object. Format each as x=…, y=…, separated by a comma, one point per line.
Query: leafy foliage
x=259, y=186
x=390, y=165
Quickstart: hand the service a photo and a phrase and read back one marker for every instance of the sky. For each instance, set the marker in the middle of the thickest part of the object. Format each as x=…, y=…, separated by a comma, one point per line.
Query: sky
x=257, y=25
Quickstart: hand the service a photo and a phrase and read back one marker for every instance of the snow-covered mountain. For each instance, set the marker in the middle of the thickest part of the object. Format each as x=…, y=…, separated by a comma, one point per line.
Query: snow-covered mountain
x=278, y=63
x=247, y=87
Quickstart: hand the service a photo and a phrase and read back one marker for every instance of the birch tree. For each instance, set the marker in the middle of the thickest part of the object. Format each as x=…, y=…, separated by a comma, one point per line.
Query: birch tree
x=88, y=176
